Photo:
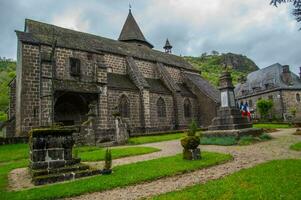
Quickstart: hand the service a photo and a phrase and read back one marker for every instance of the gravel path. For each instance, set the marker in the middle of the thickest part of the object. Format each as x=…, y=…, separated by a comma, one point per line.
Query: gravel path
x=244, y=157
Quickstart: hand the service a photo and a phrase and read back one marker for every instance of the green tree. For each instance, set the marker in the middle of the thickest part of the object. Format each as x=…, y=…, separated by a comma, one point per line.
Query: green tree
x=297, y=7
x=264, y=107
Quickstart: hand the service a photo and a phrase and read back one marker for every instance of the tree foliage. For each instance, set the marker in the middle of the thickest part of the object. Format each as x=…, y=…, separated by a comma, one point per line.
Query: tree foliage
x=264, y=107
x=297, y=7
x=7, y=72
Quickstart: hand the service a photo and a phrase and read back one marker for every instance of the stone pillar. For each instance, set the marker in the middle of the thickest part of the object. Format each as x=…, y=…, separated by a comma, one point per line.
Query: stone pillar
x=146, y=108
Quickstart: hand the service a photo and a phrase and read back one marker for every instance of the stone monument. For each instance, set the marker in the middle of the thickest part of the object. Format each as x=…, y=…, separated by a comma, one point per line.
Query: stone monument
x=51, y=158
x=229, y=121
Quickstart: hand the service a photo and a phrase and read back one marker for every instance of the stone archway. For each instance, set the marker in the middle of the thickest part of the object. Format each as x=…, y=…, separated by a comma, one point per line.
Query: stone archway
x=70, y=109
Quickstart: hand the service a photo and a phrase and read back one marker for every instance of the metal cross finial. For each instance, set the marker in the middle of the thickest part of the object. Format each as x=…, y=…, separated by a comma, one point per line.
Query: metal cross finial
x=130, y=7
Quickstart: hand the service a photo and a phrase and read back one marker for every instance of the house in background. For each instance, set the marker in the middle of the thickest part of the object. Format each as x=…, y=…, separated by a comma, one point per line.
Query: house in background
x=276, y=83
x=70, y=77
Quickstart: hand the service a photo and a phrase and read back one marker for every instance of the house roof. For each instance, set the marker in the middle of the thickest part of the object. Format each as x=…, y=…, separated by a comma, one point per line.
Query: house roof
x=203, y=86
x=267, y=78
x=120, y=81
x=131, y=32
x=157, y=86
x=42, y=33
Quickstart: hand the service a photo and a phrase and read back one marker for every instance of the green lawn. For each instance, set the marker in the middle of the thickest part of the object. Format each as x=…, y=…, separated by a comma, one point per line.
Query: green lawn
x=155, y=138
x=273, y=126
x=99, y=153
x=279, y=179
x=296, y=147
x=86, y=153
x=122, y=176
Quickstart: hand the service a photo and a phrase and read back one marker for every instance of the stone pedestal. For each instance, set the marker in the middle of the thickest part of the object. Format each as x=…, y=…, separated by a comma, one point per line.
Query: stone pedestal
x=229, y=121
x=51, y=157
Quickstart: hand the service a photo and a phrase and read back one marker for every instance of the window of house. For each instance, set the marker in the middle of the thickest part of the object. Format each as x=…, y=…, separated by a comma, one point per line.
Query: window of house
x=124, y=107
x=298, y=97
x=161, y=108
x=74, y=66
x=187, y=108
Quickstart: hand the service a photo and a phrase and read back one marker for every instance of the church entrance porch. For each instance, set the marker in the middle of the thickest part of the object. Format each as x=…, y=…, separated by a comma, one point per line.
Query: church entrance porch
x=71, y=108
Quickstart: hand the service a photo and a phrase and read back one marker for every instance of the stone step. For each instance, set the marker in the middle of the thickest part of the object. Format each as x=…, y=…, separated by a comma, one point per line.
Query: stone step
x=42, y=172
x=59, y=177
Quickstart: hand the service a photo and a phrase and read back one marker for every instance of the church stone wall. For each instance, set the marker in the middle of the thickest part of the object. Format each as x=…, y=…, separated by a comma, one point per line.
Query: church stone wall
x=161, y=123
x=175, y=74
x=148, y=69
x=113, y=101
x=185, y=121
x=115, y=63
x=29, y=89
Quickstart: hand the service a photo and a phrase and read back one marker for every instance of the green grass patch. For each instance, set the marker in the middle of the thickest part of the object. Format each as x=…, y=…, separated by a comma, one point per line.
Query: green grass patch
x=271, y=126
x=13, y=152
x=279, y=179
x=296, y=147
x=224, y=141
x=99, y=153
x=155, y=138
x=122, y=176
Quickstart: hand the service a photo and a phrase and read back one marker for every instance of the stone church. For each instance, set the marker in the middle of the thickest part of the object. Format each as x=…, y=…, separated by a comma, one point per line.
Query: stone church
x=70, y=78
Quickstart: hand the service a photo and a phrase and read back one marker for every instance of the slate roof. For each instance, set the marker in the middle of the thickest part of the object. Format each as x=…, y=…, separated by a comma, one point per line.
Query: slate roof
x=131, y=31
x=204, y=86
x=185, y=91
x=269, y=78
x=157, y=86
x=42, y=33
x=119, y=81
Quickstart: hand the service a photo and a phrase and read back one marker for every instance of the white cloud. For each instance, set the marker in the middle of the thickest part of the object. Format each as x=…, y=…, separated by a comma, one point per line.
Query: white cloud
x=72, y=19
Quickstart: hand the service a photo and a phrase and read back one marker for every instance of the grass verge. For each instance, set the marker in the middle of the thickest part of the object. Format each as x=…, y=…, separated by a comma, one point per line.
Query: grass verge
x=296, y=147
x=99, y=153
x=123, y=175
x=271, y=126
x=155, y=138
x=14, y=152
x=279, y=179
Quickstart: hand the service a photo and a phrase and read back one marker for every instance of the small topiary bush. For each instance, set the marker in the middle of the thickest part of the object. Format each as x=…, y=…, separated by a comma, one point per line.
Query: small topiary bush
x=108, y=159
x=191, y=142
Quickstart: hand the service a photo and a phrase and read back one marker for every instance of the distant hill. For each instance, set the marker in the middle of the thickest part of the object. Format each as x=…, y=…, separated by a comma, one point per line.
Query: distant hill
x=7, y=72
x=211, y=66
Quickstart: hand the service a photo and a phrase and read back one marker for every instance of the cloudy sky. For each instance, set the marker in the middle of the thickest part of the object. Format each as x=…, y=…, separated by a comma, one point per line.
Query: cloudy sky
x=251, y=27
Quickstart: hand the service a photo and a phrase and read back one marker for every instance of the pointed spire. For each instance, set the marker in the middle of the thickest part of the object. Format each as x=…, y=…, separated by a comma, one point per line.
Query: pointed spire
x=167, y=46
x=131, y=31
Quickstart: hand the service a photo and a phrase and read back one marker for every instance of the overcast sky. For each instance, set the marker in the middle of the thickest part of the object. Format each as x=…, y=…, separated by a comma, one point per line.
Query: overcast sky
x=251, y=27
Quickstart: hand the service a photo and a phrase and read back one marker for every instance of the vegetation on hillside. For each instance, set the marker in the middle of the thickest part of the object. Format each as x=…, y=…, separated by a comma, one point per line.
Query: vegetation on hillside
x=212, y=65
x=7, y=72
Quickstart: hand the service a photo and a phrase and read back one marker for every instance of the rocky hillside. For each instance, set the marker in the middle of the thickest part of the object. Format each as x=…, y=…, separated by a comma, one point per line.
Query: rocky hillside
x=211, y=66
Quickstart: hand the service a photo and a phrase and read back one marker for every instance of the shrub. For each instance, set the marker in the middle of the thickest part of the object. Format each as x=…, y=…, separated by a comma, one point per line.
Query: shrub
x=224, y=141
x=246, y=140
x=265, y=136
x=108, y=159
x=193, y=127
x=264, y=106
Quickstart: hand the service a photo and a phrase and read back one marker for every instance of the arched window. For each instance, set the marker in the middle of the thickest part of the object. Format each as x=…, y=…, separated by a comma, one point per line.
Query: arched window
x=161, y=108
x=187, y=108
x=124, y=106
x=298, y=97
